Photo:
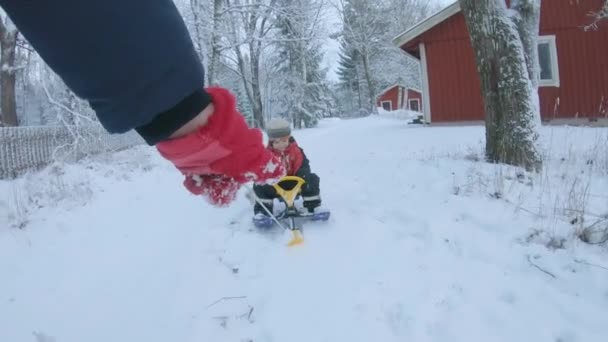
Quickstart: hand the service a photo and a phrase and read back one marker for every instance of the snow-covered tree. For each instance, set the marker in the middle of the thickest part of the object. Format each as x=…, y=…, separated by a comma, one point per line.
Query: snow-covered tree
x=402, y=14
x=505, y=42
x=363, y=28
x=390, y=64
x=349, y=88
x=368, y=60
x=302, y=82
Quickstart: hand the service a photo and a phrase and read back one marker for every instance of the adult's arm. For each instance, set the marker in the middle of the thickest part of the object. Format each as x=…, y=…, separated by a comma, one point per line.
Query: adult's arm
x=132, y=60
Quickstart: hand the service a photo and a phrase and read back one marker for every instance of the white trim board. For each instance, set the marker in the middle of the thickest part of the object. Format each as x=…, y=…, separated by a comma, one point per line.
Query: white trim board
x=426, y=96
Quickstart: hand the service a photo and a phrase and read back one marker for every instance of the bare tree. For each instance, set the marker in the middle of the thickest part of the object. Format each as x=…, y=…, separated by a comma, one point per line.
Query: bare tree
x=8, y=68
x=505, y=50
x=250, y=23
x=208, y=34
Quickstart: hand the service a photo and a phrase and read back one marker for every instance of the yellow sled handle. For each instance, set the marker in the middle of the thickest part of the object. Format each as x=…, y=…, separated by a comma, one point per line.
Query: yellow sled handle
x=289, y=195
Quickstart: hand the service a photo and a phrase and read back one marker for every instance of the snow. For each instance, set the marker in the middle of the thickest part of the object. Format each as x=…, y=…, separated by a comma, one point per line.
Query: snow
x=401, y=114
x=419, y=248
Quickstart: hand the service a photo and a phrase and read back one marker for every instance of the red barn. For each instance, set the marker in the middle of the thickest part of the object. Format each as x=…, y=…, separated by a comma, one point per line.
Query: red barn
x=398, y=97
x=574, y=63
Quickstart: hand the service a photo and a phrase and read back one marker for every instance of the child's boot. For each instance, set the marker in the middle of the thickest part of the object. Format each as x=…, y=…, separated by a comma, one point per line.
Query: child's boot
x=314, y=208
x=261, y=217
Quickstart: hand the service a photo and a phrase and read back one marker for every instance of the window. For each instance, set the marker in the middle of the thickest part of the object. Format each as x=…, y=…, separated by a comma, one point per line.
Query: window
x=414, y=105
x=547, y=59
x=387, y=105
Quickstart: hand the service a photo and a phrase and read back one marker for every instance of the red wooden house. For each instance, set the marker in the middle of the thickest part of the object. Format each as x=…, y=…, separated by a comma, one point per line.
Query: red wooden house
x=574, y=63
x=398, y=97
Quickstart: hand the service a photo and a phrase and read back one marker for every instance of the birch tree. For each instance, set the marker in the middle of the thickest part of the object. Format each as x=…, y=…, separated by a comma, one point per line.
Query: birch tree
x=505, y=42
x=8, y=69
x=208, y=30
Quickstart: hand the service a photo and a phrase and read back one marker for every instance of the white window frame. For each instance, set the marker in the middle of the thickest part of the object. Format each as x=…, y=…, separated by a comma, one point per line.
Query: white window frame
x=390, y=104
x=409, y=104
x=554, y=82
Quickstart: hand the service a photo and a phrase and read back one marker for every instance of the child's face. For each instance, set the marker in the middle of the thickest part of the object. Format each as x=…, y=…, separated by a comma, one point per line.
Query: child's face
x=280, y=143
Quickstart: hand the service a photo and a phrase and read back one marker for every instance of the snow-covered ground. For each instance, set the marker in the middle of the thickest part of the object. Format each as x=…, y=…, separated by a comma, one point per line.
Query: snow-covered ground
x=426, y=243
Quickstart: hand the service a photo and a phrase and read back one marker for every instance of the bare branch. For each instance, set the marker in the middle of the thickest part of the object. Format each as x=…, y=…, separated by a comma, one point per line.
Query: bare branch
x=579, y=261
x=542, y=270
x=597, y=17
x=62, y=106
x=225, y=298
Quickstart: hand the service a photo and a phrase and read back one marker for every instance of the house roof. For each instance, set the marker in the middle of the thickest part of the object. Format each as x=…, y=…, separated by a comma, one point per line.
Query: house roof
x=385, y=90
x=427, y=24
x=389, y=88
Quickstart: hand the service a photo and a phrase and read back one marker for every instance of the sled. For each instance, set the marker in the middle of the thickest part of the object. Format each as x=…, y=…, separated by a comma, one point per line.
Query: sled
x=289, y=188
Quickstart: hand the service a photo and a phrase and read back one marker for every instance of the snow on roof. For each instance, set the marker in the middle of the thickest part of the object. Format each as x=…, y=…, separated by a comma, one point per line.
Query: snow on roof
x=426, y=24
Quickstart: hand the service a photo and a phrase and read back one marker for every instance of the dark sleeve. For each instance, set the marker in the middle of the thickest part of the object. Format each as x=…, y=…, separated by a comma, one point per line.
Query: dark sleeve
x=133, y=61
x=304, y=170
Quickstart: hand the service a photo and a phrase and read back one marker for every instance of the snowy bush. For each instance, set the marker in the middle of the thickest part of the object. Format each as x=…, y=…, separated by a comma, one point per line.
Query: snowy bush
x=67, y=185
x=566, y=197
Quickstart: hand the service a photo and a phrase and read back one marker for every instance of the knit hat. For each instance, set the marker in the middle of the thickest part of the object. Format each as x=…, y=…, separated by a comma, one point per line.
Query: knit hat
x=278, y=128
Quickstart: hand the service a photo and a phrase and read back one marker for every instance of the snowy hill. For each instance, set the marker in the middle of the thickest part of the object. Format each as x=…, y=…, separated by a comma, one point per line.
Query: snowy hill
x=426, y=243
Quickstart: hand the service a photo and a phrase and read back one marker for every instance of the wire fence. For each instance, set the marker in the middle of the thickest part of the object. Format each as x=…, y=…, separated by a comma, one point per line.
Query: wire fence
x=33, y=147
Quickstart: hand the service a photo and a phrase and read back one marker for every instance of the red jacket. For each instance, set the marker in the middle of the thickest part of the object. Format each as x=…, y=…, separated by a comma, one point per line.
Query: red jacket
x=293, y=158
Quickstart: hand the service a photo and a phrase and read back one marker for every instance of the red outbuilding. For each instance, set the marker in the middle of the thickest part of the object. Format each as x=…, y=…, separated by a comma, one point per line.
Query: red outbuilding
x=398, y=97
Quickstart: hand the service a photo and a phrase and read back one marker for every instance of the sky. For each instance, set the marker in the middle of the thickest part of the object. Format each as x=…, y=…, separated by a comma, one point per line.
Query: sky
x=332, y=47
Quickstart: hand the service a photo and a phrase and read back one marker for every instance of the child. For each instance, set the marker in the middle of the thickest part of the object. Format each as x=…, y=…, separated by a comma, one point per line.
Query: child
x=282, y=144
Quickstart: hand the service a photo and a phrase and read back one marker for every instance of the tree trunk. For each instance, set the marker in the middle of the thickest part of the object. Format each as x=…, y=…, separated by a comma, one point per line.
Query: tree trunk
x=241, y=63
x=507, y=90
x=195, y=7
x=242, y=71
x=359, y=99
x=368, y=79
x=257, y=107
x=8, y=44
x=215, y=39
x=527, y=21
x=303, y=74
